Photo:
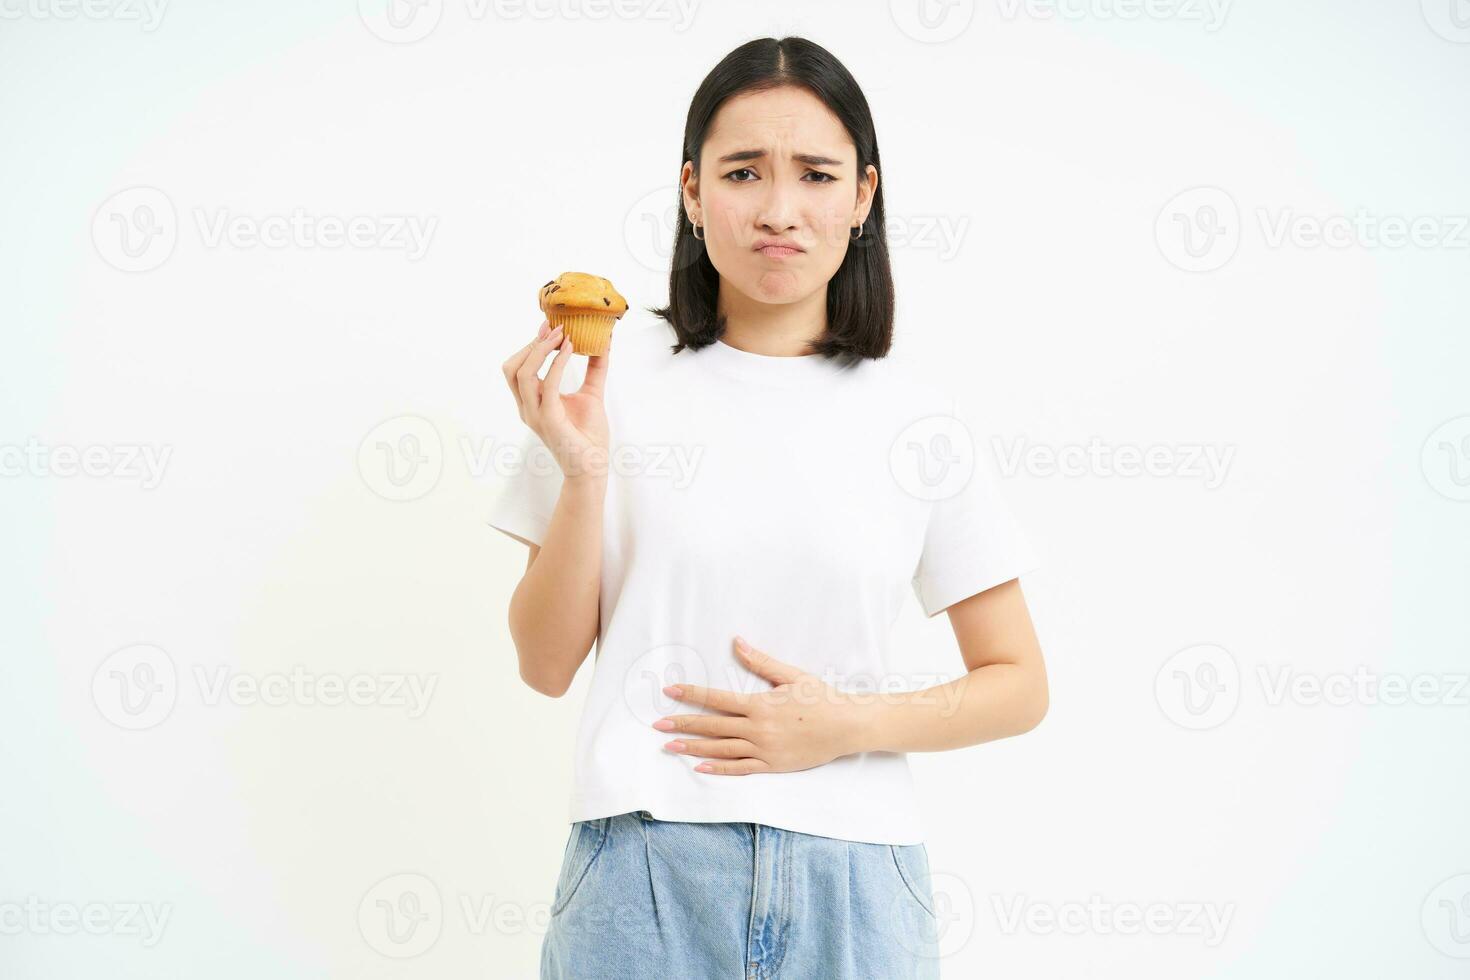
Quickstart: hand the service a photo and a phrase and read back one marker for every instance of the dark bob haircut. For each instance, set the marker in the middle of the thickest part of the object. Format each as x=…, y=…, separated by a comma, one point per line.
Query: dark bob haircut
x=860, y=293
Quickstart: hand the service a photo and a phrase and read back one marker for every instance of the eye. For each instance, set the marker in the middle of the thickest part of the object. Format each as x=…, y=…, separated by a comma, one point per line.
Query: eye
x=826, y=178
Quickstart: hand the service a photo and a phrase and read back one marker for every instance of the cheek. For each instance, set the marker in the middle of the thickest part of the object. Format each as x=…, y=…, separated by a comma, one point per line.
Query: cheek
x=829, y=249
x=729, y=226
x=832, y=233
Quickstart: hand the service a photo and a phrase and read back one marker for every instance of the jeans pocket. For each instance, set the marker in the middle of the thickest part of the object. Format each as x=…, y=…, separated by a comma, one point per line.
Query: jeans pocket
x=584, y=844
x=912, y=862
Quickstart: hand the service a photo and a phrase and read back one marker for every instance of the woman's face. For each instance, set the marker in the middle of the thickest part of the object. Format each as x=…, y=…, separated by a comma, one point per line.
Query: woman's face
x=777, y=165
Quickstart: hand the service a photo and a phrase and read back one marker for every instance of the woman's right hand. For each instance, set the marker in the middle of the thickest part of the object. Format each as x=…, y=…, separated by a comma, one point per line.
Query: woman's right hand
x=574, y=427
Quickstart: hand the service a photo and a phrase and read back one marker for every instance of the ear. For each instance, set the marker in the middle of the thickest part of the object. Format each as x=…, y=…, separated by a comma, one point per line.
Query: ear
x=867, y=188
x=689, y=185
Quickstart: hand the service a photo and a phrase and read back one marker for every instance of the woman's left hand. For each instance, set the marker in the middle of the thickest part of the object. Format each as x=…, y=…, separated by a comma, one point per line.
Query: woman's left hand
x=800, y=723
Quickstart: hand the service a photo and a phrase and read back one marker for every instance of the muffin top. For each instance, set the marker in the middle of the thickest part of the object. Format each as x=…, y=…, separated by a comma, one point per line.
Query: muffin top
x=580, y=291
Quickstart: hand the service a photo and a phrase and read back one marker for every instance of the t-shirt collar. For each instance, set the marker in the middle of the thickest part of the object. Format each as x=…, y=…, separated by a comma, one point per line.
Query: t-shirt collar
x=769, y=369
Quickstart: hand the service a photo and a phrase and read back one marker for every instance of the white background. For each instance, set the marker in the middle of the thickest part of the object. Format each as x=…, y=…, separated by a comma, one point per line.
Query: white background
x=1033, y=157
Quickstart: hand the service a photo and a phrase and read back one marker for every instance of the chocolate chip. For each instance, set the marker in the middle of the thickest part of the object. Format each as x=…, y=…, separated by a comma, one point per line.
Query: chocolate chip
x=606, y=301
x=548, y=283
x=553, y=289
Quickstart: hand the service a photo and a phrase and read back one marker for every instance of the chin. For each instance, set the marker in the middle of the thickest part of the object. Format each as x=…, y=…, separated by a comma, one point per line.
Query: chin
x=775, y=286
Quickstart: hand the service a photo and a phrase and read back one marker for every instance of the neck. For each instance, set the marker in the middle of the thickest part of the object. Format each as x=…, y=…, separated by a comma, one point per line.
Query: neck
x=774, y=329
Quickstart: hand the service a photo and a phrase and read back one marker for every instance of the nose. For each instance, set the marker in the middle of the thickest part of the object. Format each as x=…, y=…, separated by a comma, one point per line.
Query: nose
x=777, y=214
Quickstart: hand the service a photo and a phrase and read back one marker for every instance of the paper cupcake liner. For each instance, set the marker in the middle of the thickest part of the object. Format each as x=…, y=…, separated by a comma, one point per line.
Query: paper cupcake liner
x=591, y=333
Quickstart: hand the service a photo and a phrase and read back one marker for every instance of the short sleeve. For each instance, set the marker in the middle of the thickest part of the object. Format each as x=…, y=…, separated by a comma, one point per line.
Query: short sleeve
x=527, y=483
x=972, y=540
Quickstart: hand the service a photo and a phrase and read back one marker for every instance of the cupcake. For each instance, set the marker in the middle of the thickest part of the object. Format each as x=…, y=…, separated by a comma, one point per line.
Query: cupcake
x=586, y=307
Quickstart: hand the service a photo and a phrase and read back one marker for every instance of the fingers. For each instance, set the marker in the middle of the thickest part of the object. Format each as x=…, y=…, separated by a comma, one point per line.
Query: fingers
x=714, y=748
x=526, y=381
x=735, y=767
x=558, y=366
x=718, y=725
x=766, y=665
x=710, y=697
x=513, y=363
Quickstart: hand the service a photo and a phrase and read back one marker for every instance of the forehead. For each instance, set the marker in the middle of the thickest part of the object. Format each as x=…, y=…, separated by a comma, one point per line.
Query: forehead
x=790, y=117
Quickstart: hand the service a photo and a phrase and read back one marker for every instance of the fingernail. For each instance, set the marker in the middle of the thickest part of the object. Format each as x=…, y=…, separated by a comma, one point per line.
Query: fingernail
x=541, y=331
x=703, y=767
x=674, y=746
x=663, y=725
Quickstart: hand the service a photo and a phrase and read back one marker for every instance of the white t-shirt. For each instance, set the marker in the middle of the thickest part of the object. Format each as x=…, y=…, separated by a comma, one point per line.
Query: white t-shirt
x=790, y=500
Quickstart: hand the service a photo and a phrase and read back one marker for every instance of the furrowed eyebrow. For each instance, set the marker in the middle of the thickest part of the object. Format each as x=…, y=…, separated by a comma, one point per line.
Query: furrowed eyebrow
x=810, y=159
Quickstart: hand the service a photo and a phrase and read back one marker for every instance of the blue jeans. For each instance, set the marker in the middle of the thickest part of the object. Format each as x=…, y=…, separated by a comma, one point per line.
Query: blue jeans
x=639, y=897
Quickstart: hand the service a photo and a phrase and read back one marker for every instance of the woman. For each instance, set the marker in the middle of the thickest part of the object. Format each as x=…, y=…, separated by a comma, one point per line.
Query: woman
x=736, y=521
